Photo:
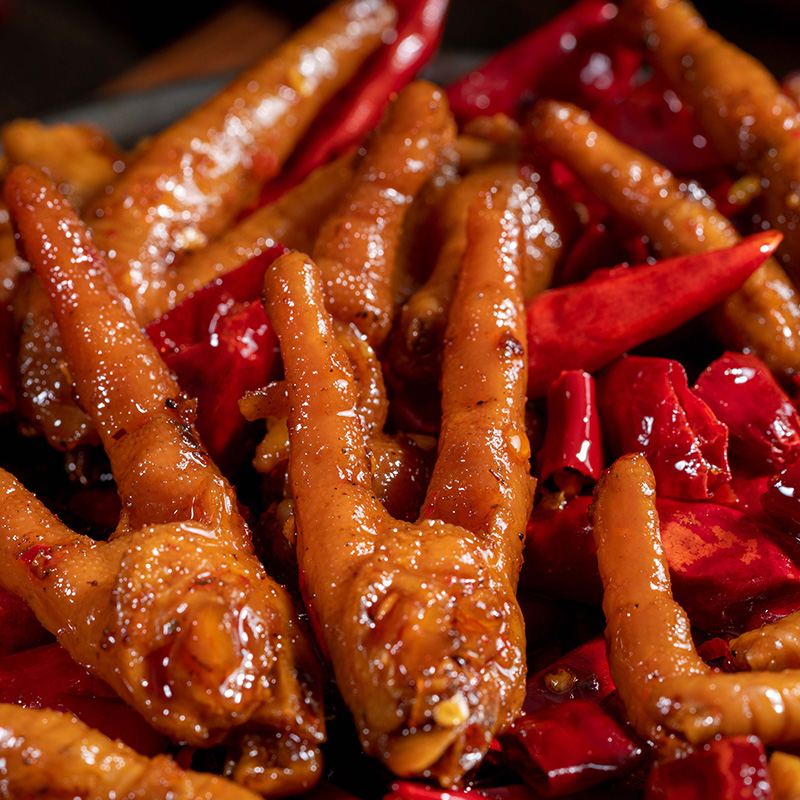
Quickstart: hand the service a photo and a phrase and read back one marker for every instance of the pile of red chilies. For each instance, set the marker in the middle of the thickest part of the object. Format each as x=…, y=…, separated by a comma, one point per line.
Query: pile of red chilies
x=725, y=450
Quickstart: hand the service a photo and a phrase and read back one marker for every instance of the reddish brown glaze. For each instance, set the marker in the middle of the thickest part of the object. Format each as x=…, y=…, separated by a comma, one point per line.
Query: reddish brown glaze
x=175, y=613
x=422, y=624
x=50, y=754
x=764, y=315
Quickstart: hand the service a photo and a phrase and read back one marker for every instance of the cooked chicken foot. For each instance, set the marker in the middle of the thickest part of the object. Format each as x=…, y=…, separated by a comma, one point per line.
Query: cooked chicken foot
x=421, y=623
x=175, y=613
x=54, y=755
x=672, y=697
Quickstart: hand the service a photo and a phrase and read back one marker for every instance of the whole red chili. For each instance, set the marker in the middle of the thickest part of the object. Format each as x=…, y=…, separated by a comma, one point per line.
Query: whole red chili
x=577, y=55
x=588, y=325
x=347, y=118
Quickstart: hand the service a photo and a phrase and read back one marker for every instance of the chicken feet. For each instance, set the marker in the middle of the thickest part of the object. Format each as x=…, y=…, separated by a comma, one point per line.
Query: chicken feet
x=421, y=621
x=175, y=612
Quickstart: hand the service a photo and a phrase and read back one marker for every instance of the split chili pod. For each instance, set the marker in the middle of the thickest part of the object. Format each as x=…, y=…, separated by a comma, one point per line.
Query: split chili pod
x=646, y=406
x=763, y=424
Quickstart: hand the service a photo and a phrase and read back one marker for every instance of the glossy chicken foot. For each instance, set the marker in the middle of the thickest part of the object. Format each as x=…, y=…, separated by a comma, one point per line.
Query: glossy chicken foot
x=356, y=248
x=48, y=754
x=744, y=112
x=175, y=612
x=421, y=620
x=763, y=316
x=672, y=697
x=188, y=183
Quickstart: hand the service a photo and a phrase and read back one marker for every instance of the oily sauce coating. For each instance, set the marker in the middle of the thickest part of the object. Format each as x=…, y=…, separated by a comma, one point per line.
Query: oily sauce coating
x=292, y=220
x=763, y=316
x=83, y=163
x=671, y=696
x=187, y=185
x=422, y=626
x=49, y=754
x=175, y=613
x=356, y=246
x=742, y=108
x=647, y=633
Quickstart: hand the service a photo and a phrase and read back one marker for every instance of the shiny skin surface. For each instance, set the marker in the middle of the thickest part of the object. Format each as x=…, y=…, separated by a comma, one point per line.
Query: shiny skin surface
x=423, y=318
x=773, y=647
x=764, y=315
x=54, y=755
x=742, y=109
x=83, y=163
x=292, y=220
x=356, y=246
x=670, y=694
x=648, y=634
x=186, y=185
x=421, y=623
x=176, y=613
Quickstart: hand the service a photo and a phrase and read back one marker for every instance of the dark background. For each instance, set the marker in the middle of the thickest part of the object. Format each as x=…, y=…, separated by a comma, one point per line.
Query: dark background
x=57, y=53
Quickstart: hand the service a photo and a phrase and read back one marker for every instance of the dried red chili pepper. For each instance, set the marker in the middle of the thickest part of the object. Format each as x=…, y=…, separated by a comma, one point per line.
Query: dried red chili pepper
x=560, y=556
x=763, y=425
x=196, y=317
x=587, y=325
x=347, y=118
x=581, y=674
x=782, y=499
x=8, y=371
x=727, y=569
x=744, y=493
x=577, y=55
x=221, y=329
x=572, y=451
x=646, y=406
x=652, y=119
x=19, y=628
x=733, y=768
x=242, y=348
x=569, y=747
x=730, y=572
x=46, y=677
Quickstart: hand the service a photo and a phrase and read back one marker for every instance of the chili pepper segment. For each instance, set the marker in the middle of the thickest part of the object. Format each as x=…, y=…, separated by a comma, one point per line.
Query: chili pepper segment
x=572, y=450
x=762, y=422
x=588, y=325
x=646, y=406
